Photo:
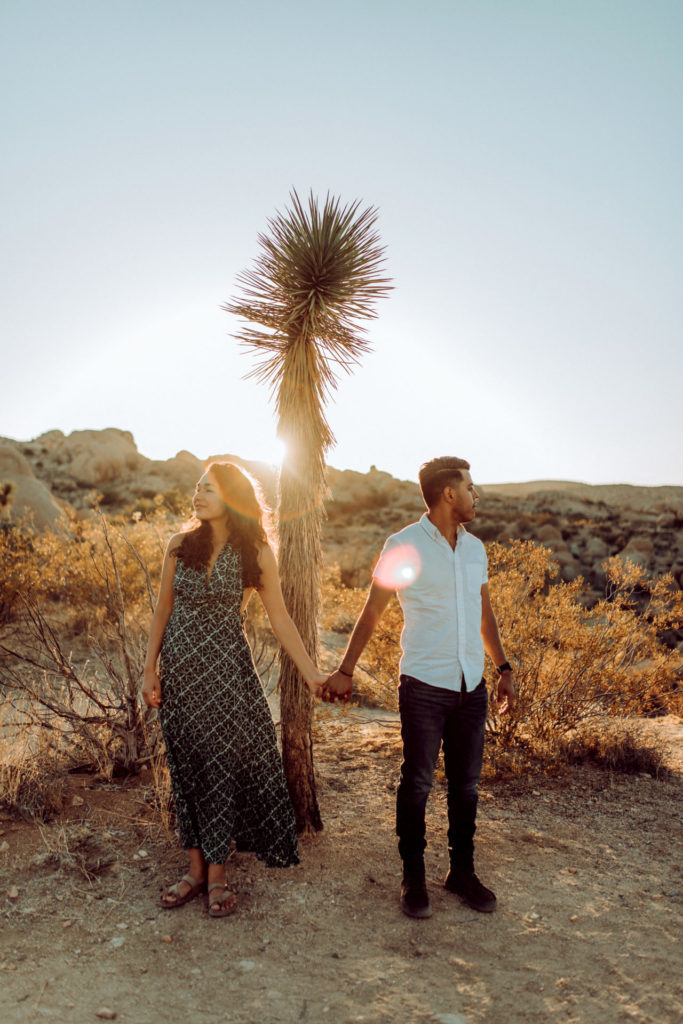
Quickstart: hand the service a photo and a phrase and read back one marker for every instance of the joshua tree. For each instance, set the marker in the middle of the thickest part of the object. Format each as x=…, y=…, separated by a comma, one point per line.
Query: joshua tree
x=318, y=275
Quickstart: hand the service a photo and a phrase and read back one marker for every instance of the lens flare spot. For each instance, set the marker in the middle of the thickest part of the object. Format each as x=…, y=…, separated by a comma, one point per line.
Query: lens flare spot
x=398, y=568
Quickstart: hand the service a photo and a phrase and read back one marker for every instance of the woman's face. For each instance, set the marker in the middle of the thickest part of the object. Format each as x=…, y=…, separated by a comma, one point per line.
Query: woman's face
x=207, y=503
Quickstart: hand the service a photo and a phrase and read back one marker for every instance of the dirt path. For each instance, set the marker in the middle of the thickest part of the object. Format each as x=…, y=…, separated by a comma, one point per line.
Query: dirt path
x=587, y=869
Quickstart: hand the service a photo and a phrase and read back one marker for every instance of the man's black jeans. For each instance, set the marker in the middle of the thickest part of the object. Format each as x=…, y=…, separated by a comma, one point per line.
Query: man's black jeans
x=431, y=715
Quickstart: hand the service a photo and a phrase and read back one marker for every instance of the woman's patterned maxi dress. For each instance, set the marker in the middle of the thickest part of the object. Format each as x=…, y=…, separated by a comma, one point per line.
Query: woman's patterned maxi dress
x=226, y=772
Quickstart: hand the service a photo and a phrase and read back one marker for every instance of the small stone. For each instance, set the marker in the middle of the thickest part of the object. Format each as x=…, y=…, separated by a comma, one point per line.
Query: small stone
x=117, y=941
x=77, y=801
x=245, y=965
x=167, y=938
x=105, y=1013
x=13, y=892
x=574, y=917
x=122, y=925
x=142, y=854
x=66, y=924
x=4, y=846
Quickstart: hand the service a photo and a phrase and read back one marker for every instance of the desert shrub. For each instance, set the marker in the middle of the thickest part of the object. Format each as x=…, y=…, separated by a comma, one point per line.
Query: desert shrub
x=32, y=775
x=177, y=502
x=572, y=664
x=616, y=747
x=18, y=568
x=86, y=701
x=32, y=787
x=76, y=567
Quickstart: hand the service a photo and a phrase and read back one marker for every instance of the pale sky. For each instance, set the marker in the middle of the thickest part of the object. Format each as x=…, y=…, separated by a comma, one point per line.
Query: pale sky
x=526, y=161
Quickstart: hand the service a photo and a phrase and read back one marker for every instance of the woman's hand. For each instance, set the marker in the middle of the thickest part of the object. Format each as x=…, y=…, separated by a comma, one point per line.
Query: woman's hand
x=316, y=683
x=151, y=688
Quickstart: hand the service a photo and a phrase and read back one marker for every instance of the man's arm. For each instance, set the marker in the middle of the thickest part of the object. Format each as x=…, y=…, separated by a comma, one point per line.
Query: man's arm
x=340, y=684
x=494, y=649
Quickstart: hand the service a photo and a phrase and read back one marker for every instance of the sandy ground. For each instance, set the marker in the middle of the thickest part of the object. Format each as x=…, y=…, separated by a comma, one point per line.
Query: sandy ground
x=587, y=868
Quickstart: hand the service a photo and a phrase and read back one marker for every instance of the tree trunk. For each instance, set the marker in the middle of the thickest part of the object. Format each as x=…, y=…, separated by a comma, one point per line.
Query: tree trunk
x=300, y=557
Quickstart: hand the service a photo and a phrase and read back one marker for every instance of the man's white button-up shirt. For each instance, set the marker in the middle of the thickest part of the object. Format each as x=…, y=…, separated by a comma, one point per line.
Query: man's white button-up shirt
x=439, y=590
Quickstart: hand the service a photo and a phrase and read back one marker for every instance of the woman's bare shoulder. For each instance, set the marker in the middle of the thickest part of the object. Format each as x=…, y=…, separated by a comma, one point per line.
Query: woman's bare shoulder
x=174, y=543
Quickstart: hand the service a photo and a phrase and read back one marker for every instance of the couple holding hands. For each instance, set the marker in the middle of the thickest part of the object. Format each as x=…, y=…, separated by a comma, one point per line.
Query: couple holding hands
x=226, y=772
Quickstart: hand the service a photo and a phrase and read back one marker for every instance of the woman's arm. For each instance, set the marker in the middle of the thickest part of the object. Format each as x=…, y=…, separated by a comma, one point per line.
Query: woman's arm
x=151, y=686
x=281, y=622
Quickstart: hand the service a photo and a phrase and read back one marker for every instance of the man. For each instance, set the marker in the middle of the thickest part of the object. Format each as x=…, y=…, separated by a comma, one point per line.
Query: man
x=439, y=572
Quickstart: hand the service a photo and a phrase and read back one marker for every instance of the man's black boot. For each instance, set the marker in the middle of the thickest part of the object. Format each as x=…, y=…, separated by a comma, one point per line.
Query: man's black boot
x=467, y=886
x=414, y=898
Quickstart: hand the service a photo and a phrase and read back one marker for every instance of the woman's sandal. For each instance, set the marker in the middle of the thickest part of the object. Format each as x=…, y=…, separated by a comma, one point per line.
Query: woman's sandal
x=225, y=904
x=174, y=892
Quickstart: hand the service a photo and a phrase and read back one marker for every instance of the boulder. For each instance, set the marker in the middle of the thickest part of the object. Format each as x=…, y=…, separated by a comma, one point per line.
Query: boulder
x=569, y=567
x=595, y=550
x=639, y=550
x=666, y=520
x=96, y=457
x=549, y=535
x=31, y=502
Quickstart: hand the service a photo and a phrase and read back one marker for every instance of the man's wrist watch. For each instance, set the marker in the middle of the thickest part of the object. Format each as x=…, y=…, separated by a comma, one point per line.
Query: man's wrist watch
x=505, y=667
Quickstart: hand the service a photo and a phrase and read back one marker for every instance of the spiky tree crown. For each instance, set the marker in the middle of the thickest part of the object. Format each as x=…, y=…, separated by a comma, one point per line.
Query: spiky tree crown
x=318, y=275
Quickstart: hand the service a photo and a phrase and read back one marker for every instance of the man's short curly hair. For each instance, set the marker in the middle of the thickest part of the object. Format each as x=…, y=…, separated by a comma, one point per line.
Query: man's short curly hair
x=436, y=474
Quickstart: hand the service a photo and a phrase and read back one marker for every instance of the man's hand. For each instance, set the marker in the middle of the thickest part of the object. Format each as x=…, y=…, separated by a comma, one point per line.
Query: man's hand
x=506, y=692
x=338, y=687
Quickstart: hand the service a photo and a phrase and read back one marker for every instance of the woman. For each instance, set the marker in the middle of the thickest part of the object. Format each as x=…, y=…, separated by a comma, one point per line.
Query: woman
x=226, y=773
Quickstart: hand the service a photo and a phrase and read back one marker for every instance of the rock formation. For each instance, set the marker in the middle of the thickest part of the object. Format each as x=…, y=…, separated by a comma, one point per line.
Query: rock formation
x=583, y=525
x=88, y=464
x=30, y=499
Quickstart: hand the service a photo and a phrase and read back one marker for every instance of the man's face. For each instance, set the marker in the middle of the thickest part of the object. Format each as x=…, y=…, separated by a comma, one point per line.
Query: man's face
x=462, y=498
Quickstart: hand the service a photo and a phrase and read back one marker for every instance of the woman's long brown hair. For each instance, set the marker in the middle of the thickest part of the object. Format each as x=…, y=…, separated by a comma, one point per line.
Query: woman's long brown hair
x=248, y=522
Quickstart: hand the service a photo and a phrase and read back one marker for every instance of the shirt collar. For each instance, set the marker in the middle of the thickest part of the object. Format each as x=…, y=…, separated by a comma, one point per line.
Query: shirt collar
x=433, y=531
